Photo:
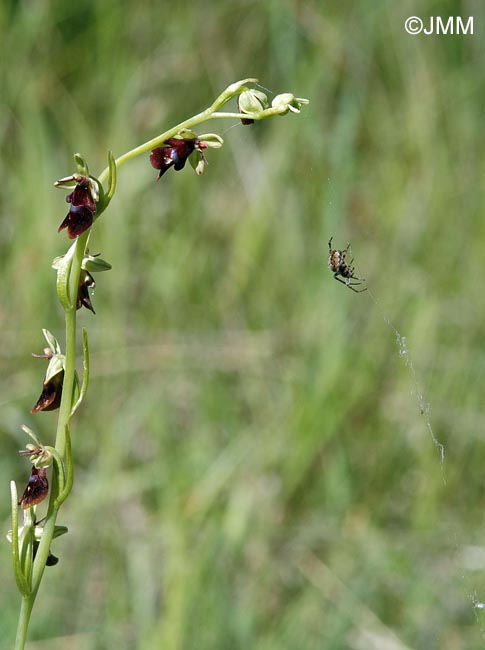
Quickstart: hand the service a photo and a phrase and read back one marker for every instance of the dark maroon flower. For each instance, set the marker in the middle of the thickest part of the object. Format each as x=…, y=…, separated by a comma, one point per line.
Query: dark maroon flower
x=174, y=153
x=86, y=282
x=37, y=488
x=50, y=397
x=83, y=208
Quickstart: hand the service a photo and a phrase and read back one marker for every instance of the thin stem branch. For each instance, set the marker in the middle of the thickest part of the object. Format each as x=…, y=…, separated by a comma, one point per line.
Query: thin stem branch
x=156, y=142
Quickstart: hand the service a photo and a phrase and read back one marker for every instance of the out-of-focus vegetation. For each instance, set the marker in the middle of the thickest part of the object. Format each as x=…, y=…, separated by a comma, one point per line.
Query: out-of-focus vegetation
x=252, y=467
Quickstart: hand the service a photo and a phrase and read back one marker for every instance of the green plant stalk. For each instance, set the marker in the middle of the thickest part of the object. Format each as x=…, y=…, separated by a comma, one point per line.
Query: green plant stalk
x=66, y=406
x=60, y=445
x=69, y=373
x=210, y=113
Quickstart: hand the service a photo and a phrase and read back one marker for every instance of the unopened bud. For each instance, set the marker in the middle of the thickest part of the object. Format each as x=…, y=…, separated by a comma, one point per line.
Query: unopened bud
x=252, y=101
x=288, y=102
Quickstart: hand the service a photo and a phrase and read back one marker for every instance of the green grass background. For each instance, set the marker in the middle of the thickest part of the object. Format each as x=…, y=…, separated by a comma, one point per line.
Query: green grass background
x=252, y=467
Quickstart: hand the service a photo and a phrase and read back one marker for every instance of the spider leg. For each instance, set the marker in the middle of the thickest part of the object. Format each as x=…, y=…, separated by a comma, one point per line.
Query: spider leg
x=349, y=284
x=330, y=244
x=356, y=290
x=338, y=279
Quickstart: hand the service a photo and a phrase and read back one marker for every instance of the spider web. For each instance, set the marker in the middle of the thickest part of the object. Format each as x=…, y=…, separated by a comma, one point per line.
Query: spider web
x=403, y=349
x=416, y=391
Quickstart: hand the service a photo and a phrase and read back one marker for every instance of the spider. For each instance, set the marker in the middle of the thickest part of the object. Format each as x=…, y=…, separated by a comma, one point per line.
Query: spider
x=338, y=265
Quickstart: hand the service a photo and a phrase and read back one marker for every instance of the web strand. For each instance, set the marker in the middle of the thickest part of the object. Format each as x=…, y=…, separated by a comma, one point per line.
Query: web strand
x=424, y=406
x=478, y=605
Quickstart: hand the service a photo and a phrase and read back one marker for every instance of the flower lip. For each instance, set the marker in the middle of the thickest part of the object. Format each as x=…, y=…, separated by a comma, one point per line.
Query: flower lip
x=174, y=153
x=86, y=282
x=50, y=397
x=36, y=490
x=83, y=206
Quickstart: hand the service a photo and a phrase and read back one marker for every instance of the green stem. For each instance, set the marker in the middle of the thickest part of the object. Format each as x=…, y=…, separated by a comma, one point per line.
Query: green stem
x=205, y=116
x=60, y=445
x=23, y=622
x=261, y=115
x=230, y=92
x=66, y=407
x=156, y=142
x=210, y=113
x=59, y=492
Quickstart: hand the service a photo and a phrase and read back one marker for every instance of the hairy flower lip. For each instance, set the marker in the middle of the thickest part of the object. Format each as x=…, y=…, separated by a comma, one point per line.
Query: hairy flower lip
x=50, y=397
x=36, y=490
x=174, y=152
x=86, y=282
x=83, y=207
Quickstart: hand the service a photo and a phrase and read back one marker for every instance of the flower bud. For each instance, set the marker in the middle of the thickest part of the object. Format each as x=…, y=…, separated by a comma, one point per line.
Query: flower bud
x=288, y=102
x=236, y=87
x=251, y=101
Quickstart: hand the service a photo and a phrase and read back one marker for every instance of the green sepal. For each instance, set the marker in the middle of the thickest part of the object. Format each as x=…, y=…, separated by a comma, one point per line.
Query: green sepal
x=212, y=140
x=197, y=163
x=58, y=531
x=186, y=134
x=30, y=433
x=94, y=264
x=52, y=342
x=81, y=164
x=57, y=364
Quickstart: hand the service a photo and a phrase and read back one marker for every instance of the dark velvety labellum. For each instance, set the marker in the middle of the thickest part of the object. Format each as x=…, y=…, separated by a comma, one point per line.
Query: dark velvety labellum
x=77, y=221
x=86, y=282
x=82, y=210
x=52, y=560
x=173, y=153
x=36, y=490
x=81, y=196
x=50, y=398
